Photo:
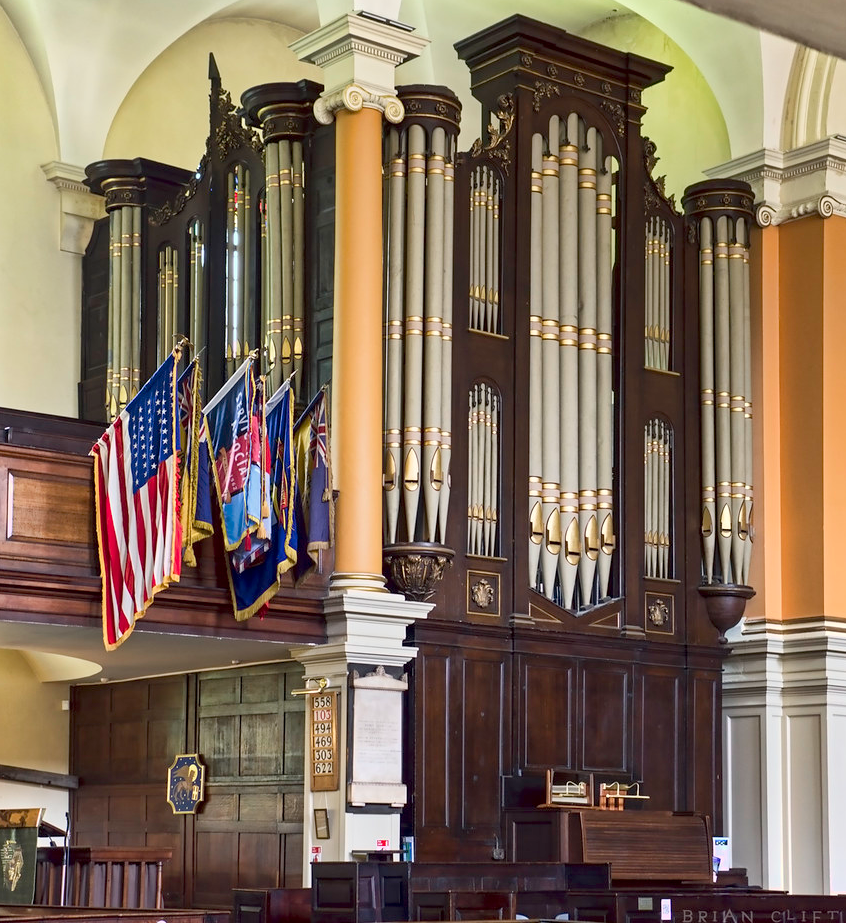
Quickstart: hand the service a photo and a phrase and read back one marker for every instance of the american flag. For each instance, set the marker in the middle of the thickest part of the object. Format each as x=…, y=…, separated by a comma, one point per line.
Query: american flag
x=137, y=504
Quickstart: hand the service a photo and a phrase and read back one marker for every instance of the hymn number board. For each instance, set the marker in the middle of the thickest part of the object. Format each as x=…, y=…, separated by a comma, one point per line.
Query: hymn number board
x=324, y=742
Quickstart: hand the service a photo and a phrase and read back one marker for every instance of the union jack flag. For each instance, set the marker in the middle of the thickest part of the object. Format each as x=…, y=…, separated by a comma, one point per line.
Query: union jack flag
x=136, y=490
x=318, y=447
x=315, y=505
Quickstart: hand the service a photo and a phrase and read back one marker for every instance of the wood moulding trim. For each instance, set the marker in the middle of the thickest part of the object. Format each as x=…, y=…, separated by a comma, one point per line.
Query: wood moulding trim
x=38, y=777
x=75, y=601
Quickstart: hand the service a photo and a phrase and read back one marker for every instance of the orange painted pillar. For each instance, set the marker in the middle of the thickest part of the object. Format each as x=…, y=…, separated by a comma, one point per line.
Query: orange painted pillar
x=357, y=350
x=359, y=54
x=798, y=279
x=766, y=567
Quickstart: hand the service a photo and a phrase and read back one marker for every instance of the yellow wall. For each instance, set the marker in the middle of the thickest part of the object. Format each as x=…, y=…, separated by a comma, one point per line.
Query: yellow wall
x=39, y=285
x=33, y=735
x=684, y=118
x=165, y=116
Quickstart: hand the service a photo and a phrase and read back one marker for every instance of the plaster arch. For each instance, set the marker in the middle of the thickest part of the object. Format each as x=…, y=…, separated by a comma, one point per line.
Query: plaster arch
x=164, y=116
x=684, y=94
x=807, y=98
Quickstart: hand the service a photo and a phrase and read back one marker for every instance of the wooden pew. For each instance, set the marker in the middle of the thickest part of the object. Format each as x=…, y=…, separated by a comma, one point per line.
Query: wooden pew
x=639, y=845
x=102, y=876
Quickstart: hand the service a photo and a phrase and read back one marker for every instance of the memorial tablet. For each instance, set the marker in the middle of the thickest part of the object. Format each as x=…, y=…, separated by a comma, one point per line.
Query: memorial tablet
x=376, y=771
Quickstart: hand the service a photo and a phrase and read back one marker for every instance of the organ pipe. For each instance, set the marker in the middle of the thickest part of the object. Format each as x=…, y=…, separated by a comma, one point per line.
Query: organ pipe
x=571, y=426
x=657, y=294
x=587, y=362
x=395, y=201
x=568, y=160
x=168, y=299
x=707, y=399
x=432, y=479
x=550, y=438
x=482, y=470
x=604, y=373
x=446, y=340
x=283, y=322
x=414, y=293
x=485, y=192
x=419, y=213
x=536, y=521
x=196, y=285
x=657, y=480
x=719, y=213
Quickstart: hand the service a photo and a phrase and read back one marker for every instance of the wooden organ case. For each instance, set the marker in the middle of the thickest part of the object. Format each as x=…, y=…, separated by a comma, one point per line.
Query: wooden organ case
x=569, y=632
x=545, y=403
x=228, y=255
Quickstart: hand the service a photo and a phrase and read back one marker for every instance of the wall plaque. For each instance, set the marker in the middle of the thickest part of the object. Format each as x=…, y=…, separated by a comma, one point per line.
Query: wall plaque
x=186, y=781
x=376, y=771
x=324, y=742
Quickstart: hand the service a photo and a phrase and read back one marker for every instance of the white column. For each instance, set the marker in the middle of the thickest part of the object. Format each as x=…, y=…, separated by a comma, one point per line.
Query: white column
x=367, y=629
x=784, y=714
x=364, y=629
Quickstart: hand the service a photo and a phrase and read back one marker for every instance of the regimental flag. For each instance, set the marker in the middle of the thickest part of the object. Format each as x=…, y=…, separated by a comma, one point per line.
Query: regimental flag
x=136, y=495
x=254, y=585
x=195, y=490
x=316, y=513
x=256, y=542
x=234, y=440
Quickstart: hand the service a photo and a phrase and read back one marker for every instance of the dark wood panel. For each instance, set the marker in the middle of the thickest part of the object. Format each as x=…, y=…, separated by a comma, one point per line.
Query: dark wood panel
x=260, y=745
x=605, y=717
x=215, y=867
x=547, y=727
x=249, y=829
x=659, y=722
x=432, y=776
x=47, y=507
x=485, y=728
x=50, y=509
x=292, y=862
x=259, y=860
x=705, y=770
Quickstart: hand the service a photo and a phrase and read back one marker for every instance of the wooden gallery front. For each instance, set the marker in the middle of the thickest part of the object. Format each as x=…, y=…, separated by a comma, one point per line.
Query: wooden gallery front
x=563, y=402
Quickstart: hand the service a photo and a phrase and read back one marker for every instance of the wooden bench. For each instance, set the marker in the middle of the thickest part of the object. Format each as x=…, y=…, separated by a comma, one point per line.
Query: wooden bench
x=102, y=876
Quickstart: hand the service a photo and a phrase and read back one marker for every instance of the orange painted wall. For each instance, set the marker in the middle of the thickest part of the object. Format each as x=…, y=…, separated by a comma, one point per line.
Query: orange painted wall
x=765, y=574
x=801, y=308
x=833, y=537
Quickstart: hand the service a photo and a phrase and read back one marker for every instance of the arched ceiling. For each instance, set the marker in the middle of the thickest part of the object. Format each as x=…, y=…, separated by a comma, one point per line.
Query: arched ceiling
x=89, y=53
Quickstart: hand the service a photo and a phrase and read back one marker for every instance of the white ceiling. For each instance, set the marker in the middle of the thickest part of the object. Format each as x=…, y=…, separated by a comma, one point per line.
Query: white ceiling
x=82, y=657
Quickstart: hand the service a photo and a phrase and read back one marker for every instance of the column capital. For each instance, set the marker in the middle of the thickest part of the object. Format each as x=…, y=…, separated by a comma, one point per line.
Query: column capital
x=354, y=98
x=809, y=180
x=359, y=55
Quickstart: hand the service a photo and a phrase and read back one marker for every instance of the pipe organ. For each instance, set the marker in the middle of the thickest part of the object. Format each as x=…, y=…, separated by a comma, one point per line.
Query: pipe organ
x=542, y=287
x=483, y=471
x=217, y=254
x=419, y=208
x=123, y=372
x=283, y=302
x=656, y=295
x=657, y=470
x=484, y=250
x=721, y=224
x=571, y=446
